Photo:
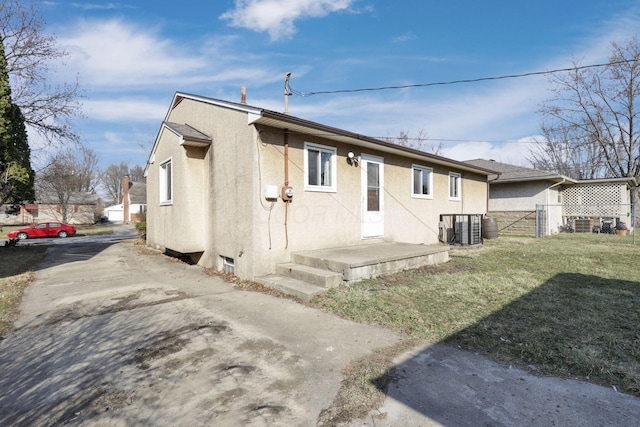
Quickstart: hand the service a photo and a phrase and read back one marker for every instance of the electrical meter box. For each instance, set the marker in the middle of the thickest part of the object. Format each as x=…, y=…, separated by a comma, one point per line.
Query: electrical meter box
x=287, y=193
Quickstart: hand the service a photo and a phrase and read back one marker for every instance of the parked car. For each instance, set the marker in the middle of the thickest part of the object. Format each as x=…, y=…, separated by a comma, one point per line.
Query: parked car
x=43, y=229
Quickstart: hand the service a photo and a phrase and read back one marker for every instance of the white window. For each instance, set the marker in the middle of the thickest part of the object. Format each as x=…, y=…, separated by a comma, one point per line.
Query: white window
x=228, y=264
x=454, y=186
x=422, y=182
x=319, y=167
x=166, y=183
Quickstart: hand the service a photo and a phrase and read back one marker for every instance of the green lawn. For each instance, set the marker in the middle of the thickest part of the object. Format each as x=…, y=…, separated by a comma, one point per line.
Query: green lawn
x=567, y=305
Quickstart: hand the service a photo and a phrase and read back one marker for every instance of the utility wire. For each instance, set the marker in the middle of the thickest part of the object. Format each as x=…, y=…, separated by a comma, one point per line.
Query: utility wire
x=481, y=79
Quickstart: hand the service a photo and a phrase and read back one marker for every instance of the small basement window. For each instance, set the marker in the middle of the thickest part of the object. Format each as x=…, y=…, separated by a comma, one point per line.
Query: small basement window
x=228, y=264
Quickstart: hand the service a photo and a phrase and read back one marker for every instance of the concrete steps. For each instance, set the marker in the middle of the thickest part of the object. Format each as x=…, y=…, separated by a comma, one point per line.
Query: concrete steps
x=312, y=272
x=315, y=276
x=290, y=286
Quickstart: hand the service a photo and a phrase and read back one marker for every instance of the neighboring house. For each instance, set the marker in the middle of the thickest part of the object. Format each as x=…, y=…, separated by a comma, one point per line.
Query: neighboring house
x=527, y=201
x=241, y=188
x=80, y=210
x=133, y=205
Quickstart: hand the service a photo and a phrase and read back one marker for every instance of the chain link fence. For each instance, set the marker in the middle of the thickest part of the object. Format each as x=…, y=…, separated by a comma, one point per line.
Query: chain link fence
x=586, y=218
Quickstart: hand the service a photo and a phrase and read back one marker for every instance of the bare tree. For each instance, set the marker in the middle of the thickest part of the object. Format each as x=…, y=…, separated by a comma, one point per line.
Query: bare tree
x=30, y=56
x=86, y=167
x=136, y=173
x=418, y=142
x=111, y=179
x=589, y=125
x=560, y=152
x=68, y=180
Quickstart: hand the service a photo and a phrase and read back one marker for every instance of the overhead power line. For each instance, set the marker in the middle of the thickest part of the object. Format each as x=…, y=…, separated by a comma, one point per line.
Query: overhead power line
x=453, y=82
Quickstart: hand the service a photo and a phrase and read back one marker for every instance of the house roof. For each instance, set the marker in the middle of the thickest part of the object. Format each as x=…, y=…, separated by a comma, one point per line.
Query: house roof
x=188, y=135
x=292, y=124
x=507, y=173
x=513, y=173
x=138, y=193
x=77, y=198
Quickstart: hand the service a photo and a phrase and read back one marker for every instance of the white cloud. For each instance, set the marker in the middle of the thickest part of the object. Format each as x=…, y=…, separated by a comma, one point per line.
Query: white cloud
x=277, y=17
x=512, y=152
x=100, y=6
x=121, y=55
x=125, y=109
x=408, y=36
x=116, y=53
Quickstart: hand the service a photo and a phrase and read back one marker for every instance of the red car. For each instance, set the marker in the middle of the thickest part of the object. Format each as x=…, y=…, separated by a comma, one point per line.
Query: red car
x=43, y=229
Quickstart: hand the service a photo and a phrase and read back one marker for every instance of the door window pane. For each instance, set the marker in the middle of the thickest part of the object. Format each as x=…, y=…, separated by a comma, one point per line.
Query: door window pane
x=373, y=187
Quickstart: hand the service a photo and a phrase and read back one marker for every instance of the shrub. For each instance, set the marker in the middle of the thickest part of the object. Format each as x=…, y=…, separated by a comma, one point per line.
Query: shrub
x=142, y=229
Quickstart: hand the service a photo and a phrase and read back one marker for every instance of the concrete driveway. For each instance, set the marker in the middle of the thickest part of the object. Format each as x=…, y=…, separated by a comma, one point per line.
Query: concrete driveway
x=110, y=336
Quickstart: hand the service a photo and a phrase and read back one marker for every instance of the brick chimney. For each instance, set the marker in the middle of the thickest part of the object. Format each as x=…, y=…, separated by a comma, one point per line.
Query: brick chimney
x=125, y=199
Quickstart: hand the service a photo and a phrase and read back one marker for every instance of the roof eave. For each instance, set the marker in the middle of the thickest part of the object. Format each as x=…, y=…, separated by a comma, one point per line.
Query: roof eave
x=296, y=125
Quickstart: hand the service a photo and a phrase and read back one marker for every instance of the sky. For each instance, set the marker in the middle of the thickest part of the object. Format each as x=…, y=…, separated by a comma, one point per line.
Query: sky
x=131, y=56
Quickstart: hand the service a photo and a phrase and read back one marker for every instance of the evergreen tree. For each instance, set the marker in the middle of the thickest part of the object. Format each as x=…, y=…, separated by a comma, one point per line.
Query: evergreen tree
x=5, y=96
x=16, y=175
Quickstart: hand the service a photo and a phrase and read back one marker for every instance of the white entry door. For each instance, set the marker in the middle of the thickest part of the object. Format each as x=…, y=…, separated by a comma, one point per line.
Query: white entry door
x=372, y=196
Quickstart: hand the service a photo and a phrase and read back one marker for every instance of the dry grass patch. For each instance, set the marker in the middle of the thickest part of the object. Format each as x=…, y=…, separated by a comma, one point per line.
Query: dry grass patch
x=567, y=305
x=16, y=272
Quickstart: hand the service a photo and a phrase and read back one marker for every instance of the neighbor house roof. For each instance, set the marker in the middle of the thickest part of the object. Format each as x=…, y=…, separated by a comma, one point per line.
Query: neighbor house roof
x=77, y=198
x=292, y=124
x=511, y=173
x=138, y=193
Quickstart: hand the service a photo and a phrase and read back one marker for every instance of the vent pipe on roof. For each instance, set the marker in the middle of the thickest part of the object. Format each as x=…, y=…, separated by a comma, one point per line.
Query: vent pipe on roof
x=243, y=95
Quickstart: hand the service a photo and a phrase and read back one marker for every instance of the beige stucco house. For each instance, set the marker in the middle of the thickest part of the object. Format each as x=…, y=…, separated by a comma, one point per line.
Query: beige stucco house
x=80, y=209
x=528, y=201
x=242, y=188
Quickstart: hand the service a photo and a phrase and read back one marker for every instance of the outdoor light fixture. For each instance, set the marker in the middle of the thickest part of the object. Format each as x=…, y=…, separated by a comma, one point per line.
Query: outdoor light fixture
x=352, y=159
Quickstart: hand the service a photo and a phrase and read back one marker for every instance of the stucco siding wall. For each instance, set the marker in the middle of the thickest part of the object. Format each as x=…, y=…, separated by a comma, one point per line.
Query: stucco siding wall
x=317, y=220
x=313, y=219
x=178, y=225
x=220, y=206
x=518, y=196
x=227, y=189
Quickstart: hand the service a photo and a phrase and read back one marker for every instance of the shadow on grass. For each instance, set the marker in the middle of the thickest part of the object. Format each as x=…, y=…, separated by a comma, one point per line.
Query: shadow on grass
x=574, y=326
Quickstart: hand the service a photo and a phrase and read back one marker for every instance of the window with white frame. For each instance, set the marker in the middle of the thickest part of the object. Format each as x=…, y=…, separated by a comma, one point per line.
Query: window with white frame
x=228, y=264
x=455, y=180
x=319, y=167
x=166, y=182
x=422, y=182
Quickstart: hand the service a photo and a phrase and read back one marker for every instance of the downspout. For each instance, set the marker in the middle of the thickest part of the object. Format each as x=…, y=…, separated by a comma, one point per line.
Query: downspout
x=489, y=181
x=286, y=184
x=549, y=202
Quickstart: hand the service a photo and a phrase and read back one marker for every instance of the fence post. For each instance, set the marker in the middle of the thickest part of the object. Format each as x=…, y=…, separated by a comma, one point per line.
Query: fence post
x=633, y=221
x=540, y=221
